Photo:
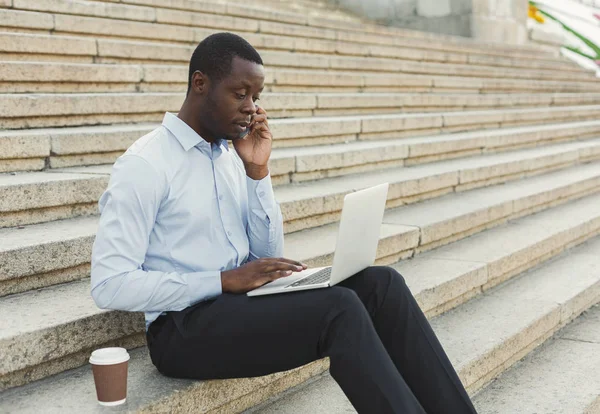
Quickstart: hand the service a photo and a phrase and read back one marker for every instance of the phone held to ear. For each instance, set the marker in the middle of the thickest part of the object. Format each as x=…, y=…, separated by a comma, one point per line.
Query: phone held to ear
x=249, y=128
x=244, y=133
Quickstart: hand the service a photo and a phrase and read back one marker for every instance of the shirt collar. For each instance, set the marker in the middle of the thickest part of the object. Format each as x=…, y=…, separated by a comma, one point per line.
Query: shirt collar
x=187, y=137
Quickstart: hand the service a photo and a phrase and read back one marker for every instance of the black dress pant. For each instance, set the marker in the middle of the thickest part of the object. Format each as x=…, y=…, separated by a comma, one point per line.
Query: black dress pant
x=383, y=352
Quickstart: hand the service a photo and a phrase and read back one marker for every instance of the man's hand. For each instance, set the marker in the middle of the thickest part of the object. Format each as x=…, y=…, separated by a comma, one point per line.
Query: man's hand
x=255, y=148
x=258, y=272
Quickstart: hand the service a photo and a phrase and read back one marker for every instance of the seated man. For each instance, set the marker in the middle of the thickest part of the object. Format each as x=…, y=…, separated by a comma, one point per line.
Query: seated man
x=188, y=227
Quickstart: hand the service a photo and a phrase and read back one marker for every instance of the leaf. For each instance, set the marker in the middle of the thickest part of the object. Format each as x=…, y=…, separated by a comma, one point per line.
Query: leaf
x=584, y=39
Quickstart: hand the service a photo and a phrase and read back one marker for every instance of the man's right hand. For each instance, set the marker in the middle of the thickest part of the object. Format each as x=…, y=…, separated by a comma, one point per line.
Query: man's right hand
x=256, y=273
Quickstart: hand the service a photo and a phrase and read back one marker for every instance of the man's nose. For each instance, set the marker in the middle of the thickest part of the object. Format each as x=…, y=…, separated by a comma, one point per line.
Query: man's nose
x=249, y=107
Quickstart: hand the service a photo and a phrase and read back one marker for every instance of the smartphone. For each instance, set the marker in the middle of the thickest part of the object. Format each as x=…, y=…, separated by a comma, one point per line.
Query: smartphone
x=247, y=130
x=244, y=133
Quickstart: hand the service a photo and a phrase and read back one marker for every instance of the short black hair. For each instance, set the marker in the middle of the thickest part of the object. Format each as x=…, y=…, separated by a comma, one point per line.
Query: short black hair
x=213, y=56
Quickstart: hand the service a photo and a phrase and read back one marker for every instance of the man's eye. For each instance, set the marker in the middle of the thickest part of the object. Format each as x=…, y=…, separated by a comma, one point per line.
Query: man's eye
x=240, y=96
x=256, y=99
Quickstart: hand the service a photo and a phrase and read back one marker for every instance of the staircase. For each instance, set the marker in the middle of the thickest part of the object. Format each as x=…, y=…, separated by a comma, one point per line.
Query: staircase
x=492, y=153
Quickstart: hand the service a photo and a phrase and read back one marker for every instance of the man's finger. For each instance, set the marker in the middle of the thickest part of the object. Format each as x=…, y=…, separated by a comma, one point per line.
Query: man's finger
x=281, y=266
x=259, y=118
x=260, y=128
x=276, y=275
x=269, y=277
x=295, y=262
x=255, y=123
x=283, y=259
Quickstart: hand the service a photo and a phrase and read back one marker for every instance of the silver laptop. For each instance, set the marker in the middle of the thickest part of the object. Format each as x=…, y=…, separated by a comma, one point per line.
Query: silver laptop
x=356, y=247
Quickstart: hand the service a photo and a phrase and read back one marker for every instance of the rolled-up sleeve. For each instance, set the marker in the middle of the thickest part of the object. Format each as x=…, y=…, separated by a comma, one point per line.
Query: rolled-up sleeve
x=265, y=221
x=129, y=208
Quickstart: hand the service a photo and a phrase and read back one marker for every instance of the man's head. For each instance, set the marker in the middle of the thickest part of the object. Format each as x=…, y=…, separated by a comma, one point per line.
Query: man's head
x=226, y=77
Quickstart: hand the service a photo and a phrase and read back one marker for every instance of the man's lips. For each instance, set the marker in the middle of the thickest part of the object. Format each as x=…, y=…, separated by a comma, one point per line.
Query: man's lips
x=242, y=126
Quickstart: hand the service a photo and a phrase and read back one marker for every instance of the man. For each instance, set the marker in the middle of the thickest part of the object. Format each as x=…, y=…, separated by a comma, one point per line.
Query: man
x=188, y=226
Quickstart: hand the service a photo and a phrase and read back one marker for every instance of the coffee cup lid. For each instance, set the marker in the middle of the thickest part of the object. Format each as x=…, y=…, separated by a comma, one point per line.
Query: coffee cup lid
x=109, y=356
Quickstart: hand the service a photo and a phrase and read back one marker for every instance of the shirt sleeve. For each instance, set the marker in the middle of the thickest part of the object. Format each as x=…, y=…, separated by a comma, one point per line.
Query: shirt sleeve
x=265, y=221
x=129, y=208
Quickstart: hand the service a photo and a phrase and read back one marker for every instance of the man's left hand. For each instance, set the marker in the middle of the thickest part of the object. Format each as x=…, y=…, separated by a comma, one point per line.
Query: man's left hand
x=255, y=148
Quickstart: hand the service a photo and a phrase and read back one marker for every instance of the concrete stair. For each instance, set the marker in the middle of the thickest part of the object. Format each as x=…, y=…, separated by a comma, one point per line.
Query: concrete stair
x=492, y=153
x=342, y=141
x=81, y=47
x=278, y=104
x=49, y=110
x=60, y=251
x=269, y=36
x=37, y=338
x=185, y=21
x=488, y=334
x=19, y=76
x=77, y=31
x=543, y=381
x=529, y=312
x=120, y=51
x=35, y=197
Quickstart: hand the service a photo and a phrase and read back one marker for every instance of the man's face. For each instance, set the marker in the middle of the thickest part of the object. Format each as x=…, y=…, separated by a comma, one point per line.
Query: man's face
x=232, y=101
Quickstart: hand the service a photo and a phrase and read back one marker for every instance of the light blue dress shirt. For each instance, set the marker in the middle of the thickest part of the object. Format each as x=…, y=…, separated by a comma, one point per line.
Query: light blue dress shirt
x=178, y=210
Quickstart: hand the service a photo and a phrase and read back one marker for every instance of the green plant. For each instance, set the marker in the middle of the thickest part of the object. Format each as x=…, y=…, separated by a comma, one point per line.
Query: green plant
x=584, y=39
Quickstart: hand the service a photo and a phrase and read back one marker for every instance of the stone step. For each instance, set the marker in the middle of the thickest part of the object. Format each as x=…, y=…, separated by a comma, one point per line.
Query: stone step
x=150, y=105
x=311, y=163
x=376, y=64
x=119, y=51
x=544, y=301
x=23, y=111
x=419, y=227
x=317, y=203
x=328, y=130
x=133, y=21
x=34, y=197
x=60, y=251
x=51, y=323
x=563, y=376
x=21, y=77
x=41, y=196
x=38, y=47
x=490, y=333
x=56, y=252
x=531, y=316
x=174, y=26
x=278, y=104
x=306, y=79
x=35, y=149
x=320, y=15
x=418, y=73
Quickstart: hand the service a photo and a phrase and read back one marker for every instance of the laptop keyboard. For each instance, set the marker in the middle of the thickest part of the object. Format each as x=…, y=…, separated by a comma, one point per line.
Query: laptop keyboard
x=321, y=276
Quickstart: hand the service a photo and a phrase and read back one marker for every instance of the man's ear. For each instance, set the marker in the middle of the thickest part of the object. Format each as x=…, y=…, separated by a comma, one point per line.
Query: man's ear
x=200, y=82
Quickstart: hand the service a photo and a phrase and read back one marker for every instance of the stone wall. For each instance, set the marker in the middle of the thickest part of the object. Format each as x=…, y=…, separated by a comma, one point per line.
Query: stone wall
x=490, y=20
x=500, y=20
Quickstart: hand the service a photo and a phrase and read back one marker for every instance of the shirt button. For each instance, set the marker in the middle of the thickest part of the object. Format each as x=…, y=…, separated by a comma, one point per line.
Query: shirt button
x=261, y=194
x=229, y=233
x=220, y=197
